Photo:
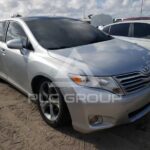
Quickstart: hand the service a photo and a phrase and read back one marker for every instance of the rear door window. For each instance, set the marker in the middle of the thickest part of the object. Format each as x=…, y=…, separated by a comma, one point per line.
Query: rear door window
x=142, y=30
x=120, y=29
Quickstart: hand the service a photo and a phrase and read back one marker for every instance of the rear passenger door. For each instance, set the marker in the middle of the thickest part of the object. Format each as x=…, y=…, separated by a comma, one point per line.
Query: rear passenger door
x=3, y=26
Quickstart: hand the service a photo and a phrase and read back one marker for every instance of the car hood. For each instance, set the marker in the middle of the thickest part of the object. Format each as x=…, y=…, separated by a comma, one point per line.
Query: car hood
x=107, y=58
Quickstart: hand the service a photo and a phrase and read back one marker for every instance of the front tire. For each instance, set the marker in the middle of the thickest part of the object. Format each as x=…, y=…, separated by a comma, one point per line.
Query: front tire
x=51, y=105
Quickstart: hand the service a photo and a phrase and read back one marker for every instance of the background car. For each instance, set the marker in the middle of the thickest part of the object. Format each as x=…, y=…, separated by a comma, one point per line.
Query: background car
x=137, y=31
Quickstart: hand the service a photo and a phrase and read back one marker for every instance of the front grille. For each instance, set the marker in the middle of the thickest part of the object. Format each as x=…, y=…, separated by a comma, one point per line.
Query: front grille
x=133, y=82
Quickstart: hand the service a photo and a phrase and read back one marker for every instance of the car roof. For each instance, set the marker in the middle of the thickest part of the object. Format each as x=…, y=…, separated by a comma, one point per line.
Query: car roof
x=36, y=17
x=131, y=21
x=137, y=18
x=43, y=17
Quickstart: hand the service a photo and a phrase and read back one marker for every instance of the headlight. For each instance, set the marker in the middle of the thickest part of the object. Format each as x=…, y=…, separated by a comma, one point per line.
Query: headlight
x=106, y=83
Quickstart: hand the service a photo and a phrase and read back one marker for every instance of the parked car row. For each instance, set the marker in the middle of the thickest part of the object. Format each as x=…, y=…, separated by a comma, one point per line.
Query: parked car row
x=137, y=31
x=80, y=75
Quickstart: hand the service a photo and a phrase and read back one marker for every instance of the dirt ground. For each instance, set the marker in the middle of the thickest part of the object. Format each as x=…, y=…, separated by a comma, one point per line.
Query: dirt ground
x=21, y=128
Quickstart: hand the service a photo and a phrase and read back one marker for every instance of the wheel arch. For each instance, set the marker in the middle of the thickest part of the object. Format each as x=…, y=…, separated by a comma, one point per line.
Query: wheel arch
x=36, y=81
x=35, y=85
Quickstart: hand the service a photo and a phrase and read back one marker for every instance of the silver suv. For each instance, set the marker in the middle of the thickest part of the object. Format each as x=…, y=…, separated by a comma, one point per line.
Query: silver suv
x=78, y=74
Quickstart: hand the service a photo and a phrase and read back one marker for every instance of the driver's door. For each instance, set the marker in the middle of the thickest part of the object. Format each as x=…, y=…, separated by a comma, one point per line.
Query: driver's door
x=15, y=62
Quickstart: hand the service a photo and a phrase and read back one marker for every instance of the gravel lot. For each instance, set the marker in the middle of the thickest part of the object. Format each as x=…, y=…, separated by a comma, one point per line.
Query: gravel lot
x=21, y=128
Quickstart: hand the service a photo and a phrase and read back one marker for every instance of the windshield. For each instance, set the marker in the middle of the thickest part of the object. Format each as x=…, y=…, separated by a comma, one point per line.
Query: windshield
x=59, y=33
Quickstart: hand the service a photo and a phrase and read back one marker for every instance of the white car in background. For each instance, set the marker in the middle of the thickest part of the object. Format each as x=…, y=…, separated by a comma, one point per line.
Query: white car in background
x=137, y=31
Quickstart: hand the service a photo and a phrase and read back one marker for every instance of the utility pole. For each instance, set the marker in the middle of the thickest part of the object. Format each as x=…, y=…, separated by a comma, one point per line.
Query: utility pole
x=142, y=7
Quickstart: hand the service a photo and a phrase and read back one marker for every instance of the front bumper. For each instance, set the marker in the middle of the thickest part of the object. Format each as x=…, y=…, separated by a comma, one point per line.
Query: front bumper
x=115, y=110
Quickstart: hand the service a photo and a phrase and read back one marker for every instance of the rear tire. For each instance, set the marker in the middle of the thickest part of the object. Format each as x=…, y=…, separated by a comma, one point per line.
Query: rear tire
x=51, y=105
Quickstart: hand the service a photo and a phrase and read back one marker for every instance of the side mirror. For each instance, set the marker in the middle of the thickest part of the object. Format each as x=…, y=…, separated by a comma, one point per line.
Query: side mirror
x=15, y=44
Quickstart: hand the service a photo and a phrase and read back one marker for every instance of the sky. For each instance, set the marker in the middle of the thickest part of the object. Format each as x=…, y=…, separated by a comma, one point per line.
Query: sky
x=74, y=8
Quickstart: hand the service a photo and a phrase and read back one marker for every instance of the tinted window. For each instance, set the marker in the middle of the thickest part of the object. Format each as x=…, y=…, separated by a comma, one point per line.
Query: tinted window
x=141, y=30
x=15, y=31
x=106, y=29
x=57, y=33
x=120, y=29
x=2, y=31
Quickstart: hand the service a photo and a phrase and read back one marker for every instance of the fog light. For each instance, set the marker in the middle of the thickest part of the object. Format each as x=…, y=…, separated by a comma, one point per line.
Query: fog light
x=95, y=120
